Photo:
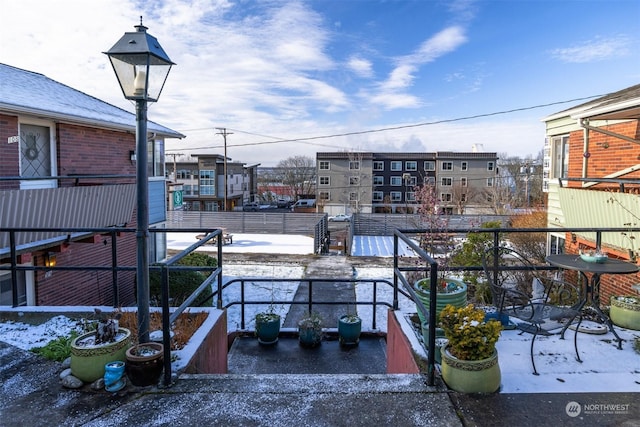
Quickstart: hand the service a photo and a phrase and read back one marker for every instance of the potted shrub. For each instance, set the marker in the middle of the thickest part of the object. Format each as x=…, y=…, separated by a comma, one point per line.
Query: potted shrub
x=267, y=327
x=469, y=359
x=349, y=328
x=105, y=342
x=625, y=311
x=144, y=363
x=310, y=330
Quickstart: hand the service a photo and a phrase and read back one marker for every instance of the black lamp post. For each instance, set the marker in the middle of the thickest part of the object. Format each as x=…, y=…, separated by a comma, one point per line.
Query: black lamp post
x=142, y=67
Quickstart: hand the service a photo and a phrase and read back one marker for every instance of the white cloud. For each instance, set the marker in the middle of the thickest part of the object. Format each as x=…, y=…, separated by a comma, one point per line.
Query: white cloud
x=598, y=49
x=391, y=93
x=361, y=67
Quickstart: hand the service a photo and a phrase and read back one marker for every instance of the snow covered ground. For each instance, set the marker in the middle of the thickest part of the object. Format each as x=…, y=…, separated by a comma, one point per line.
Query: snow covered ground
x=604, y=367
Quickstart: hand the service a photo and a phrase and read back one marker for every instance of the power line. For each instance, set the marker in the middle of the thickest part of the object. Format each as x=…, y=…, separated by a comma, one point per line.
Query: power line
x=414, y=125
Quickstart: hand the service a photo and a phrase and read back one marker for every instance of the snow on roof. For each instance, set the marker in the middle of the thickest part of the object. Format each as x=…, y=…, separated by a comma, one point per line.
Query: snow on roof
x=27, y=92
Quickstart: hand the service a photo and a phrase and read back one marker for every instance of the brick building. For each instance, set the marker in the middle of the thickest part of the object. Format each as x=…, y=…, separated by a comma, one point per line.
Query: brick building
x=67, y=160
x=592, y=177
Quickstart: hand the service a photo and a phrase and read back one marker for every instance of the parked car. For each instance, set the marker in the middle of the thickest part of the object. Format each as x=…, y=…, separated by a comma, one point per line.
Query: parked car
x=283, y=203
x=340, y=218
x=251, y=207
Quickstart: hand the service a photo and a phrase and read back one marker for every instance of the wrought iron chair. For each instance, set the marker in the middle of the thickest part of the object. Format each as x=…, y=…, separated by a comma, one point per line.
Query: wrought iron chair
x=526, y=292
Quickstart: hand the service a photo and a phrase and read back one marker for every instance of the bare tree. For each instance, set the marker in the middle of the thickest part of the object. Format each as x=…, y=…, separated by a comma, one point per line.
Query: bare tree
x=299, y=174
x=358, y=183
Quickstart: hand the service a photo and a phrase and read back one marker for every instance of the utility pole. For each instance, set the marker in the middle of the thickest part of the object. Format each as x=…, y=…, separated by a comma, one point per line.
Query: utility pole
x=175, y=171
x=224, y=133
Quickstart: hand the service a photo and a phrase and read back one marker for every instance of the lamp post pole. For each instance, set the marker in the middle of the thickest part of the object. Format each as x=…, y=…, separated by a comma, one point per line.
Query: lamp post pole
x=142, y=232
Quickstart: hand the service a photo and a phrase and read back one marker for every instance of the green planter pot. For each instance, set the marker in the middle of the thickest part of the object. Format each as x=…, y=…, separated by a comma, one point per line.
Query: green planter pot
x=267, y=328
x=457, y=298
x=625, y=312
x=349, y=328
x=87, y=362
x=471, y=376
x=309, y=337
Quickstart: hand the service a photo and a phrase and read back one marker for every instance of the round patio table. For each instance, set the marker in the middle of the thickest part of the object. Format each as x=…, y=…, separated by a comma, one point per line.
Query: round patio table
x=591, y=292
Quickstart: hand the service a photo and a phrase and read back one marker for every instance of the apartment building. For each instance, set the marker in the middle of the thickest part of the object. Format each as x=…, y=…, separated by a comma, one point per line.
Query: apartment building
x=211, y=184
x=349, y=182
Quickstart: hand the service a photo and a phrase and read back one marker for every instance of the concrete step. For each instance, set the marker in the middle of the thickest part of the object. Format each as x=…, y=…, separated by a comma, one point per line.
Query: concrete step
x=305, y=383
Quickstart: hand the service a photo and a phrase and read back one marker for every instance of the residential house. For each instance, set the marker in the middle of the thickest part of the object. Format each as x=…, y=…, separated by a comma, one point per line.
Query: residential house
x=368, y=182
x=592, y=177
x=203, y=178
x=67, y=160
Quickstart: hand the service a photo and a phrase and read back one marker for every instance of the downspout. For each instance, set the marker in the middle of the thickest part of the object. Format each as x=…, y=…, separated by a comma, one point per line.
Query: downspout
x=585, y=151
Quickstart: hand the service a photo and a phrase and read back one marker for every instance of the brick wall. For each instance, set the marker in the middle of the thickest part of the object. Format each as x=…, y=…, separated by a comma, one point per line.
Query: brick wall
x=607, y=154
x=81, y=150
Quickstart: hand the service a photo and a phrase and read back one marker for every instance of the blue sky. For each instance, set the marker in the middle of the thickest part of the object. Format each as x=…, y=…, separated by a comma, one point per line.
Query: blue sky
x=270, y=71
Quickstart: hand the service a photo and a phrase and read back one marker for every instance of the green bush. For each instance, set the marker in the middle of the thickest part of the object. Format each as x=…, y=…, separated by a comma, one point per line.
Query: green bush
x=183, y=283
x=58, y=349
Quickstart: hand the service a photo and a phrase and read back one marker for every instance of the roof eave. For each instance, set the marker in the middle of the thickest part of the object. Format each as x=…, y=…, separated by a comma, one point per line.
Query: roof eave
x=160, y=130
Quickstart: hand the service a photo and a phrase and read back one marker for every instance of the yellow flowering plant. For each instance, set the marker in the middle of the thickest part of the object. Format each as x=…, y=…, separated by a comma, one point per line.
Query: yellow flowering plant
x=470, y=336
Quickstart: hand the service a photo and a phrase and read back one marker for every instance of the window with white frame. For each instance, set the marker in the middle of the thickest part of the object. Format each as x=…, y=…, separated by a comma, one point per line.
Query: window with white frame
x=410, y=196
x=396, y=166
x=490, y=181
x=396, y=181
x=324, y=165
x=354, y=165
x=354, y=180
x=430, y=180
x=377, y=196
x=324, y=195
x=446, y=181
x=396, y=196
x=378, y=165
x=429, y=165
x=446, y=197
x=447, y=166
x=324, y=180
x=353, y=196
x=463, y=181
x=464, y=166
x=560, y=148
x=378, y=180
x=491, y=166
x=463, y=197
x=411, y=165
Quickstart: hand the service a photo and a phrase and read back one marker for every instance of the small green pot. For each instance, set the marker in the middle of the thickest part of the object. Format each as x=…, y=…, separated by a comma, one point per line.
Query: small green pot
x=309, y=337
x=349, y=329
x=267, y=328
x=87, y=362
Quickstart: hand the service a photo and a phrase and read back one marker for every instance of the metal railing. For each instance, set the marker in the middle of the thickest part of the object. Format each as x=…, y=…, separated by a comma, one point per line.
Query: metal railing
x=309, y=302
x=431, y=267
x=400, y=284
